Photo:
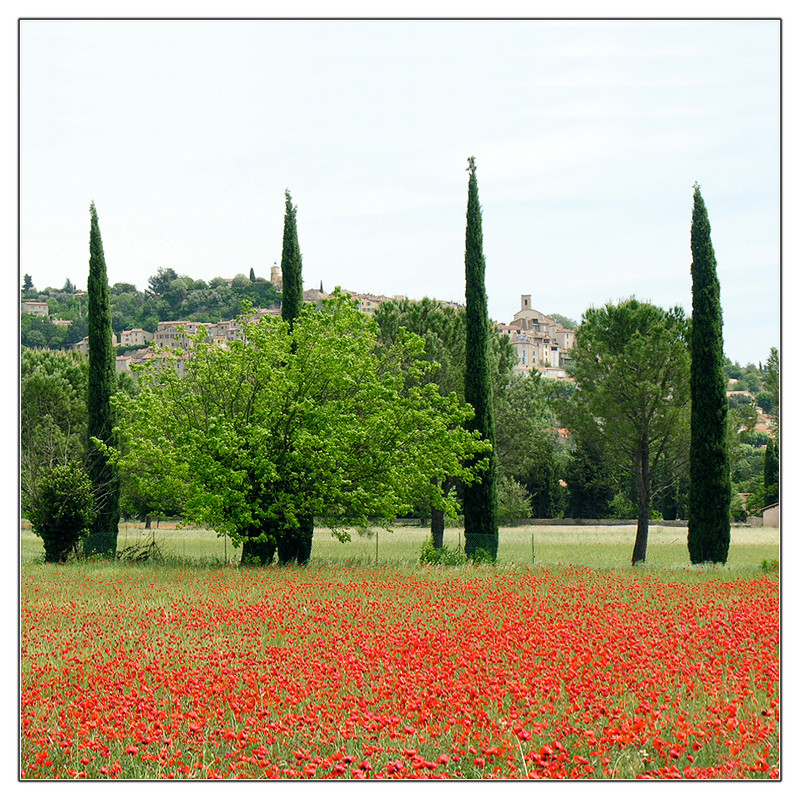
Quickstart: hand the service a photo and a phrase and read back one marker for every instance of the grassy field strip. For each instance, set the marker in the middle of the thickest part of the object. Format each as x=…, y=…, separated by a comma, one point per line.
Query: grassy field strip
x=599, y=546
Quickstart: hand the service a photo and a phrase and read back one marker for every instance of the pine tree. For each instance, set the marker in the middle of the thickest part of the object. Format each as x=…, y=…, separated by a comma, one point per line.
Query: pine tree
x=102, y=384
x=480, y=498
x=709, y=461
x=252, y=275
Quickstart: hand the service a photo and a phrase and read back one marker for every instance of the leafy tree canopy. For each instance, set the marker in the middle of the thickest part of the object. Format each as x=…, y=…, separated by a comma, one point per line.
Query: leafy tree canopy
x=631, y=366
x=317, y=421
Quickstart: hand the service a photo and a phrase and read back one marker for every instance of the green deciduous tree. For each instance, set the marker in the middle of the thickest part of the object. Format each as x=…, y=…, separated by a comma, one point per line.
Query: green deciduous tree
x=631, y=367
x=528, y=445
x=589, y=478
x=709, y=463
x=102, y=384
x=53, y=430
x=480, y=498
x=443, y=329
x=312, y=422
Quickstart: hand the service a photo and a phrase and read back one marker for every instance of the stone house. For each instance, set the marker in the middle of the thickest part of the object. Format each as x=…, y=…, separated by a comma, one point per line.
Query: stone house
x=35, y=307
x=772, y=515
x=135, y=338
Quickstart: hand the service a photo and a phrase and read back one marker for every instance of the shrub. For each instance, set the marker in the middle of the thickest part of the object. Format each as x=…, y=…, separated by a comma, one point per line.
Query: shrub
x=64, y=510
x=513, y=500
x=770, y=565
x=441, y=555
x=446, y=557
x=482, y=557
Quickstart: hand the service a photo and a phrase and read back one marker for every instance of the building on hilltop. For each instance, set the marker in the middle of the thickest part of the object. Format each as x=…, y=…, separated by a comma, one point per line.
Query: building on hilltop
x=36, y=308
x=136, y=337
x=540, y=342
x=83, y=345
x=276, y=277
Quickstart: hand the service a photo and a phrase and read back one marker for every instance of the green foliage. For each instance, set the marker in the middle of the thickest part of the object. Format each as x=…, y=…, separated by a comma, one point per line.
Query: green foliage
x=709, y=465
x=53, y=428
x=480, y=498
x=622, y=507
x=313, y=422
x=590, y=484
x=771, y=474
x=631, y=368
x=42, y=332
x=772, y=376
x=770, y=565
x=64, y=510
x=513, y=500
x=765, y=401
x=102, y=384
x=442, y=330
x=567, y=322
x=441, y=556
x=291, y=265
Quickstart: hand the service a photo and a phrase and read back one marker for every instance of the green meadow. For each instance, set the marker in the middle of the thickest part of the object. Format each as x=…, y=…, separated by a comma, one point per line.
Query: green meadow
x=601, y=547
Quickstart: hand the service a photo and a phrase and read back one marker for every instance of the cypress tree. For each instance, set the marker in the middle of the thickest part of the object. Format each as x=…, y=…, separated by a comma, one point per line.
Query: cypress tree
x=296, y=544
x=709, y=461
x=480, y=498
x=291, y=266
x=102, y=384
x=293, y=543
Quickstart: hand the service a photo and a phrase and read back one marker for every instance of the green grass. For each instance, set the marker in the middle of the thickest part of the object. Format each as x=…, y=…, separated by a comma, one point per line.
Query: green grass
x=598, y=547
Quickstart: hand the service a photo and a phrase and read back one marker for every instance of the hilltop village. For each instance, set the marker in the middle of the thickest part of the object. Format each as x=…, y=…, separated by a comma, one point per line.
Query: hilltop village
x=541, y=342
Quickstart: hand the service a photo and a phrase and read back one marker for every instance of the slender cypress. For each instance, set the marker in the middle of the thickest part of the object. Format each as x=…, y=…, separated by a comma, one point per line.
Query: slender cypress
x=291, y=266
x=293, y=545
x=480, y=498
x=709, y=461
x=102, y=384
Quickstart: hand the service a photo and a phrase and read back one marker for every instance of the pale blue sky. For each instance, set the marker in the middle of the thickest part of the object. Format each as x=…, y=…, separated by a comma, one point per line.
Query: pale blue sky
x=588, y=138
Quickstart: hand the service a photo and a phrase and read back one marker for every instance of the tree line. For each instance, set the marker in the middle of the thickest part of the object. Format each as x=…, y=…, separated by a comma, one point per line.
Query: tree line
x=326, y=413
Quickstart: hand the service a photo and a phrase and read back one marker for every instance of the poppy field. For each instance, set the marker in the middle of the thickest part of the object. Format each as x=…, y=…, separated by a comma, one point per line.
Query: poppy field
x=136, y=672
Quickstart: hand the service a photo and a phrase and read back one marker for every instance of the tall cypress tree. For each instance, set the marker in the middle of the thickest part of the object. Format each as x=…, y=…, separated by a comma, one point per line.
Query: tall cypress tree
x=291, y=266
x=102, y=384
x=293, y=545
x=709, y=461
x=293, y=542
x=480, y=498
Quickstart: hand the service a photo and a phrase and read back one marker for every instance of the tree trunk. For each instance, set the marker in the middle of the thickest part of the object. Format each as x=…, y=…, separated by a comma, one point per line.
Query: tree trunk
x=642, y=467
x=437, y=528
x=294, y=545
x=258, y=548
x=640, y=545
x=437, y=515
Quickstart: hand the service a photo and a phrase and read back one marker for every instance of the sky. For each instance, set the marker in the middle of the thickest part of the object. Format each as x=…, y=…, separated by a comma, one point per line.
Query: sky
x=588, y=138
